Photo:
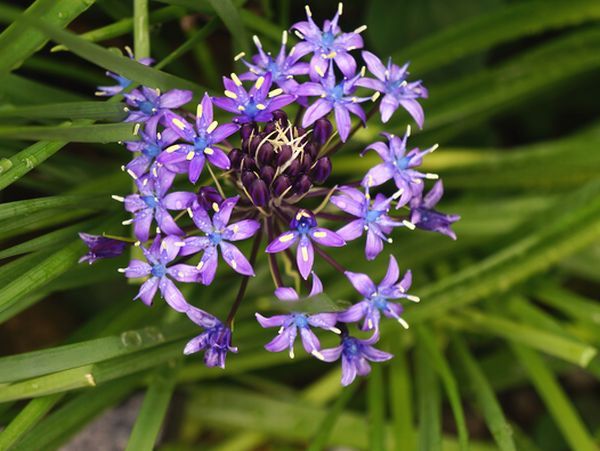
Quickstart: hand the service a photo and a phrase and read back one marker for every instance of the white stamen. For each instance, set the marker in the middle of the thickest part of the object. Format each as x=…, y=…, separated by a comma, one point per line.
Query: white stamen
x=430, y=176
x=284, y=37
x=172, y=149
x=136, y=128
x=122, y=270
x=297, y=33
x=127, y=222
x=259, y=82
x=230, y=94
x=340, y=8
x=199, y=110
x=236, y=79
x=190, y=155
x=208, y=151
x=190, y=212
x=239, y=56
x=408, y=129
x=409, y=225
x=402, y=323
x=257, y=42
x=360, y=29
x=308, y=11
x=317, y=354
x=375, y=96
x=118, y=198
x=412, y=298
x=275, y=92
x=335, y=330
x=132, y=174
x=212, y=126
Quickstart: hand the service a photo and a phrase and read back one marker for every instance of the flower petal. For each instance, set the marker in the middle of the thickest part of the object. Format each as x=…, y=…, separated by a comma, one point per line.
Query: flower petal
x=175, y=98
x=273, y=321
x=172, y=295
x=352, y=230
x=362, y=283
x=137, y=268
x=148, y=290
x=286, y=294
x=282, y=242
x=392, y=274
x=326, y=237
x=316, y=111
x=234, y=258
x=374, y=244
x=242, y=230
x=305, y=256
x=184, y=273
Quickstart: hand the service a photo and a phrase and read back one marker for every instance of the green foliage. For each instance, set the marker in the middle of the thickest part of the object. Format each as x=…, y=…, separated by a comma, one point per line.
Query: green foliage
x=509, y=306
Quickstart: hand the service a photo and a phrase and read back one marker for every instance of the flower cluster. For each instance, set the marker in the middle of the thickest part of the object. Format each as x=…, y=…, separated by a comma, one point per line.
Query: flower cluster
x=261, y=174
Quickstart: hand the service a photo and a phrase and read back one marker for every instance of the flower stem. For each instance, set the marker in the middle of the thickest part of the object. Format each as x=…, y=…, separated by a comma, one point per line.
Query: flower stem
x=275, y=273
x=330, y=260
x=242, y=291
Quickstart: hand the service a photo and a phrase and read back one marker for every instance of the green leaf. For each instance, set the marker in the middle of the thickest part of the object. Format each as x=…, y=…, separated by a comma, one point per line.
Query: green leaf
x=230, y=16
x=103, y=133
x=443, y=370
x=401, y=399
x=153, y=411
x=376, y=409
x=429, y=402
x=557, y=402
x=484, y=394
x=570, y=303
x=24, y=207
x=141, y=30
x=70, y=110
x=512, y=21
x=18, y=41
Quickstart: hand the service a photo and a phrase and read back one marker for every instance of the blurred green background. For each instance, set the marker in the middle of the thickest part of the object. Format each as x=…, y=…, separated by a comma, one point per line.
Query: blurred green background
x=501, y=352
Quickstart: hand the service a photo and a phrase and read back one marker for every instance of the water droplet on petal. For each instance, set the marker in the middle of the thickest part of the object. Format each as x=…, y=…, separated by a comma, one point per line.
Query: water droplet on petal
x=131, y=339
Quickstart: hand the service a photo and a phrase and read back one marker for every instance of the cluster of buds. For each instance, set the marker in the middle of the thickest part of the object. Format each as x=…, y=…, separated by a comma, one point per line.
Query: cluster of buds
x=262, y=174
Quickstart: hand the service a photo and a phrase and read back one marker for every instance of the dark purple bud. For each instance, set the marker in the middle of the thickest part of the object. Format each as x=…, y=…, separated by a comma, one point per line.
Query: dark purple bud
x=294, y=168
x=269, y=128
x=207, y=196
x=247, y=129
x=285, y=153
x=299, y=132
x=235, y=157
x=254, y=143
x=281, y=184
x=259, y=193
x=322, y=131
x=279, y=115
x=267, y=173
x=311, y=149
x=307, y=162
x=248, y=163
x=248, y=178
x=100, y=247
x=302, y=185
x=266, y=154
x=321, y=170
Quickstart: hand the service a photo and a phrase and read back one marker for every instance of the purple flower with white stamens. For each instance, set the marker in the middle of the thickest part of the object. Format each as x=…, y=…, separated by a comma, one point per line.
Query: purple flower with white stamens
x=218, y=234
x=356, y=355
x=215, y=341
x=100, y=247
x=372, y=218
x=399, y=165
x=203, y=139
x=282, y=68
x=292, y=323
x=376, y=298
x=153, y=202
x=304, y=230
x=391, y=82
x=333, y=96
x=255, y=105
x=150, y=103
x=122, y=82
x=158, y=256
x=150, y=146
x=424, y=216
x=327, y=44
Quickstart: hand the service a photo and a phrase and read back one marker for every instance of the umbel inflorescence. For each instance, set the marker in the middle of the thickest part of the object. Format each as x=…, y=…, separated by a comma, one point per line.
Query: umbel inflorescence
x=263, y=176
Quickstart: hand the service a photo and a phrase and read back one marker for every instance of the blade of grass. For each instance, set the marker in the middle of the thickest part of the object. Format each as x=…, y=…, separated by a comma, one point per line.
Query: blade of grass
x=70, y=110
x=141, y=29
x=10, y=210
x=376, y=409
x=41, y=220
x=230, y=16
x=429, y=402
x=401, y=399
x=103, y=133
x=572, y=304
x=442, y=368
x=558, y=404
x=484, y=394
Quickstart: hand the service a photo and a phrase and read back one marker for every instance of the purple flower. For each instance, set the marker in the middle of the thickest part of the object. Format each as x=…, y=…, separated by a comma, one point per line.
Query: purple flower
x=158, y=256
x=333, y=96
x=398, y=164
x=152, y=202
x=423, y=215
x=256, y=105
x=218, y=234
x=372, y=218
x=149, y=103
x=100, y=247
x=304, y=230
x=327, y=44
x=215, y=340
x=150, y=146
x=122, y=82
x=376, y=298
x=391, y=82
x=355, y=355
x=291, y=323
x=283, y=68
x=202, y=139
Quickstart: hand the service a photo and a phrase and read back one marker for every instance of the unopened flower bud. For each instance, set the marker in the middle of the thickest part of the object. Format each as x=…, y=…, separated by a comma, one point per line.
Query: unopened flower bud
x=267, y=173
x=281, y=116
x=248, y=178
x=235, y=157
x=247, y=129
x=307, y=162
x=259, y=193
x=321, y=170
x=285, y=153
x=207, y=196
x=322, y=131
x=294, y=168
x=281, y=184
x=311, y=149
x=302, y=185
x=266, y=154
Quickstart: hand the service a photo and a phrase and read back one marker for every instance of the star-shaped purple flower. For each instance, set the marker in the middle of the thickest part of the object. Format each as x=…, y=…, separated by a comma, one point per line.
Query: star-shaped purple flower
x=356, y=355
x=218, y=234
x=202, y=139
x=158, y=256
x=327, y=44
x=150, y=146
x=150, y=103
x=333, y=96
x=376, y=298
x=256, y=105
x=282, y=68
x=424, y=216
x=371, y=217
x=152, y=202
x=122, y=82
x=304, y=230
x=391, y=82
x=100, y=247
x=292, y=323
x=215, y=340
x=399, y=165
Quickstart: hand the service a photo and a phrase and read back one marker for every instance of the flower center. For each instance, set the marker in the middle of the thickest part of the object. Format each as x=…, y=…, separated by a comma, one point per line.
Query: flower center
x=300, y=320
x=151, y=150
x=327, y=39
x=123, y=82
x=215, y=237
x=380, y=302
x=158, y=270
x=151, y=201
x=146, y=107
x=250, y=109
x=351, y=348
x=337, y=92
x=402, y=163
x=373, y=215
x=201, y=143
